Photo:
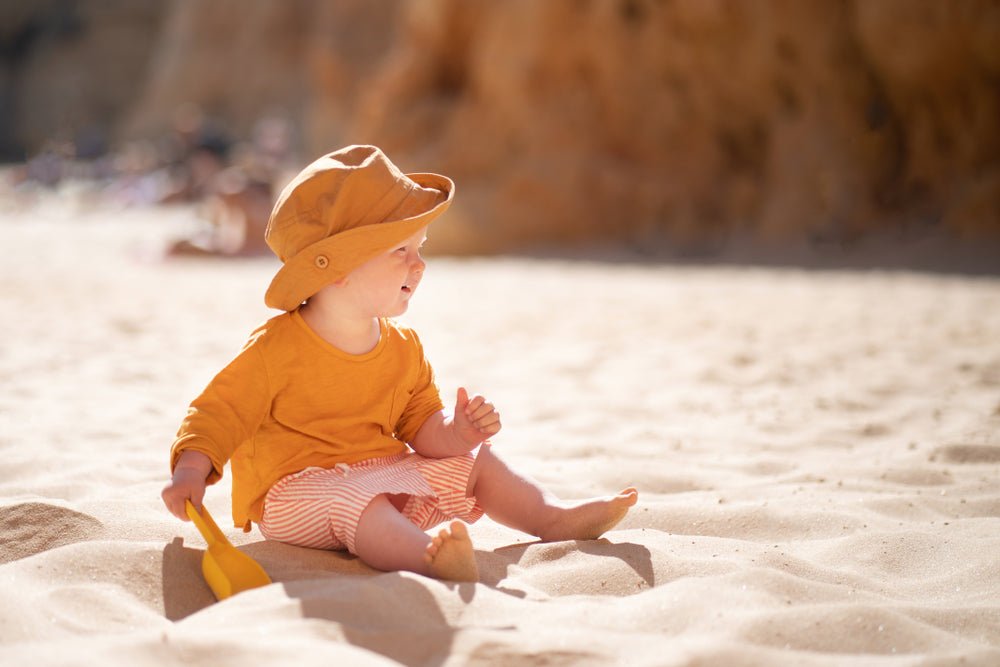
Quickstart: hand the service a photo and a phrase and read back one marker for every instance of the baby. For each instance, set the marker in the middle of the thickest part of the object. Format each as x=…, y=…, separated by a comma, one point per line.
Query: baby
x=330, y=416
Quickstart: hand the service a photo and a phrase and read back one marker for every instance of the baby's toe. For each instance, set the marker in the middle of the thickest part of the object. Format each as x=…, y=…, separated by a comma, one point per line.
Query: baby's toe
x=433, y=547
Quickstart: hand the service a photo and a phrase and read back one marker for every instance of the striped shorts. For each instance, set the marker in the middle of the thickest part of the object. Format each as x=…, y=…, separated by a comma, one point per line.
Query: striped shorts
x=320, y=507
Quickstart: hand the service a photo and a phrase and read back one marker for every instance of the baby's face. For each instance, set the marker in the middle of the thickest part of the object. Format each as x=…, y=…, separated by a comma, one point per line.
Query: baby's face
x=383, y=285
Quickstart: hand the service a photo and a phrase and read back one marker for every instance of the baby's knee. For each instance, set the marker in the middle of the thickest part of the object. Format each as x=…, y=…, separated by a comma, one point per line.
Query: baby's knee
x=485, y=459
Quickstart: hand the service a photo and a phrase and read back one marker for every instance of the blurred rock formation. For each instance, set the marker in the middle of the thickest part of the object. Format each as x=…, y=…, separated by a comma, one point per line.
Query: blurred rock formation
x=575, y=121
x=69, y=71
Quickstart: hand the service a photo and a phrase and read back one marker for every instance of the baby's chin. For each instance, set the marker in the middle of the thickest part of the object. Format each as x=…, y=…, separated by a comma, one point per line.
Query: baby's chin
x=396, y=310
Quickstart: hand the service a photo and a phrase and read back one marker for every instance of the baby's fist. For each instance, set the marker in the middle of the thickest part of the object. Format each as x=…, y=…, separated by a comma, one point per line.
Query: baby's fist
x=476, y=416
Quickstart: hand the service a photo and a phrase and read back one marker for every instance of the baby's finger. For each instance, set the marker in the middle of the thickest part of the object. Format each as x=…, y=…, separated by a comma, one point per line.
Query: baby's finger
x=482, y=411
x=489, y=429
x=490, y=419
x=474, y=403
x=179, y=510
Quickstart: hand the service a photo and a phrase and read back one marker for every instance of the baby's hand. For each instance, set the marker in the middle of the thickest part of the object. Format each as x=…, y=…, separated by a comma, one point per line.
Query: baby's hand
x=187, y=483
x=183, y=487
x=475, y=419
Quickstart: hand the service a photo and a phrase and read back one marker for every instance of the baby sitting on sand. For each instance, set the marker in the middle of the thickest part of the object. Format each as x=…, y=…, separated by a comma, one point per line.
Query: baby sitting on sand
x=330, y=416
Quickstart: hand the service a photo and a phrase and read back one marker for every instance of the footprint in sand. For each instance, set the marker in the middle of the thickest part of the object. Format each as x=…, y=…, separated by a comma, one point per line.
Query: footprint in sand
x=30, y=528
x=967, y=454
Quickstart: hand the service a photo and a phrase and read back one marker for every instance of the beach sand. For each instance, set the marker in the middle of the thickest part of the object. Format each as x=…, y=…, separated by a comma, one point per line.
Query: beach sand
x=818, y=456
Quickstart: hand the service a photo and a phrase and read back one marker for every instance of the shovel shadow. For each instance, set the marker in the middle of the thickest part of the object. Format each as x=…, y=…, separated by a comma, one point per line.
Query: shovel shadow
x=184, y=589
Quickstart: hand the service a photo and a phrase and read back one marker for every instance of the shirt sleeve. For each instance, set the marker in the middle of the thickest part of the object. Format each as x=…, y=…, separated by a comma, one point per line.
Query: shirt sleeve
x=424, y=401
x=227, y=413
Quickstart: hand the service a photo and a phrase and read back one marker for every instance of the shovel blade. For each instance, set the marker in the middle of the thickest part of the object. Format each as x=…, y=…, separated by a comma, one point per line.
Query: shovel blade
x=229, y=571
x=226, y=569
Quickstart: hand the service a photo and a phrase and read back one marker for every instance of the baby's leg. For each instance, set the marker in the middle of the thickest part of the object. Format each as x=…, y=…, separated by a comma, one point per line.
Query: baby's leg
x=518, y=501
x=386, y=540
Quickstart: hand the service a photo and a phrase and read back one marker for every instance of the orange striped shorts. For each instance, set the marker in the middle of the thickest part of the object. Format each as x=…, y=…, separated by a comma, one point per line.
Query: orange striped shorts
x=320, y=507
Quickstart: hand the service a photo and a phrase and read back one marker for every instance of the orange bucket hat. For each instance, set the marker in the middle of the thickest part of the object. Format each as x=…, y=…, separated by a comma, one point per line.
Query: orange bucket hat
x=339, y=212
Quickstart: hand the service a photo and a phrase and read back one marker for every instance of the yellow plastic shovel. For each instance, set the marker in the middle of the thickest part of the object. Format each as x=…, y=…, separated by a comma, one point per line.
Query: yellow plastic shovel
x=227, y=570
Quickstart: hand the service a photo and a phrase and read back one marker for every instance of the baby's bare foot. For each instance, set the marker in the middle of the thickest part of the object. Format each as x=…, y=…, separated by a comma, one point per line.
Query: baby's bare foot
x=589, y=519
x=450, y=556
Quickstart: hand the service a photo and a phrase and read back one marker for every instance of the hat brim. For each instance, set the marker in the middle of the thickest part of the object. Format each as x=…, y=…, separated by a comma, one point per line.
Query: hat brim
x=329, y=260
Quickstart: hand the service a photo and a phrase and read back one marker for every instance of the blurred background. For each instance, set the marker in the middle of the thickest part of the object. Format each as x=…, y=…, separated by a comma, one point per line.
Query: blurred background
x=684, y=128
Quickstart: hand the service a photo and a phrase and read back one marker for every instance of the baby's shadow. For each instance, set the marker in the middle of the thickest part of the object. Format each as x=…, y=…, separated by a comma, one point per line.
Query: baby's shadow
x=332, y=586
x=185, y=591
x=495, y=566
x=367, y=609
x=287, y=562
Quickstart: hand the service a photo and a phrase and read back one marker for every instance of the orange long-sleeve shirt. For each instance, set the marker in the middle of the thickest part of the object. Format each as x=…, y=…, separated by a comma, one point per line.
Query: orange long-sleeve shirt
x=290, y=400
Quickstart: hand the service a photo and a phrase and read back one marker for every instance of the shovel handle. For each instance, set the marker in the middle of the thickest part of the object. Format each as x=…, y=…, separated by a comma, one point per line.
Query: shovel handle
x=206, y=525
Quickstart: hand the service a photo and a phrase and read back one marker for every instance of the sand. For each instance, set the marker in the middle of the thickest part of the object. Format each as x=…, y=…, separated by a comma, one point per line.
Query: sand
x=818, y=454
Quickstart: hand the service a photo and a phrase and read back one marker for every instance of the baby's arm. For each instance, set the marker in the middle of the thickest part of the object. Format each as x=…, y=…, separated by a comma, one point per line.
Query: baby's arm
x=473, y=421
x=187, y=483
